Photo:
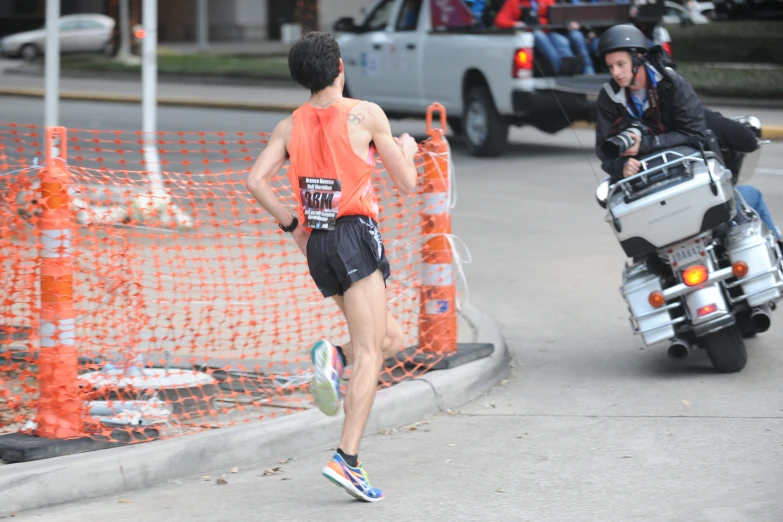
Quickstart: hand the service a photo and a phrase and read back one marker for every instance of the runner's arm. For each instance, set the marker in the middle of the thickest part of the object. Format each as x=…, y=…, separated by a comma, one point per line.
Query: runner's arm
x=267, y=165
x=399, y=164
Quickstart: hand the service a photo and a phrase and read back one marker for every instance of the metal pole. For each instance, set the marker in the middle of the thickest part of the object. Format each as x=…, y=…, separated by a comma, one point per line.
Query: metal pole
x=149, y=74
x=202, y=15
x=52, y=64
x=124, y=51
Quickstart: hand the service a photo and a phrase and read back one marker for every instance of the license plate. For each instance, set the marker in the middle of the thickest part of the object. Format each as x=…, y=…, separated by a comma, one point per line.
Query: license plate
x=685, y=253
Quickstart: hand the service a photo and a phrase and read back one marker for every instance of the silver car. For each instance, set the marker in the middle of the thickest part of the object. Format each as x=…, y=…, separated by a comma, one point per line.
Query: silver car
x=78, y=33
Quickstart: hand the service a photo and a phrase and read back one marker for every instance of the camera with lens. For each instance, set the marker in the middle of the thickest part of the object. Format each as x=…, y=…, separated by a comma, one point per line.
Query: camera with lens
x=614, y=146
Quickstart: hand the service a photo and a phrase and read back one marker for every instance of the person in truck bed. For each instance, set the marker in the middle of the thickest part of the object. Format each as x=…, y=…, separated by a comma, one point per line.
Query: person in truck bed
x=553, y=45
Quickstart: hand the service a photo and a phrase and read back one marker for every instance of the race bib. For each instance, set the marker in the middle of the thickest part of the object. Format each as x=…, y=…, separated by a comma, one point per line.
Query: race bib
x=320, y=202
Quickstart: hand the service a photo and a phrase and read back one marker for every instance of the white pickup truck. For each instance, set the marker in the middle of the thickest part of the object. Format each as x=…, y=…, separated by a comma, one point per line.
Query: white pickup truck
x=406, y=54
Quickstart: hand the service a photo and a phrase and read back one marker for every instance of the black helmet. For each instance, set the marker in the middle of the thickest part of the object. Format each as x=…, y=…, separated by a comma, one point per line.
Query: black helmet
x=622, y=38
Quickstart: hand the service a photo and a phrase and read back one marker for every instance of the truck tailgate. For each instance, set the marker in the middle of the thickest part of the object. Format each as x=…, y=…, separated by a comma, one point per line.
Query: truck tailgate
x=589, y=85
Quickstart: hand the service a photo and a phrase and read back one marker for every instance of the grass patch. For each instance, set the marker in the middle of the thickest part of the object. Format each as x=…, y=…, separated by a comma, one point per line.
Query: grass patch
x=238, y=65
x=729, y=29
x=735, y=83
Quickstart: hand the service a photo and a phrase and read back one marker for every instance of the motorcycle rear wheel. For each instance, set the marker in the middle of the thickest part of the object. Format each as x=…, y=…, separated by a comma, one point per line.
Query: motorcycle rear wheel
x=726, y=349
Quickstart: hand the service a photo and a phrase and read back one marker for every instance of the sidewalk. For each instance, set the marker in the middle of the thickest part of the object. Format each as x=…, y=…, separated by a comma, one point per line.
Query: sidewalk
x=94, y=474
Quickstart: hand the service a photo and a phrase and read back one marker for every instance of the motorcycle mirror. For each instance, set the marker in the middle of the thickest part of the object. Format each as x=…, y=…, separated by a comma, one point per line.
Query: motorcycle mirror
x=602, y=193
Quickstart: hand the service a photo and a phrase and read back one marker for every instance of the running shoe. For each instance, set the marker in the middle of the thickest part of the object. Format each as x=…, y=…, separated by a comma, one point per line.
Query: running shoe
x=353, y=480
x=327, y=377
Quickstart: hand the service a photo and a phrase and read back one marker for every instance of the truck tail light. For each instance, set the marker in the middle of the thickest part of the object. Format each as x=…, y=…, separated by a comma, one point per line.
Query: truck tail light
x=523, y=63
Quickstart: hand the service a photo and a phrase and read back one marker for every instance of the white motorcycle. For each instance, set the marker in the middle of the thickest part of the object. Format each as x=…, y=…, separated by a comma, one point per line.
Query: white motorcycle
x=705, y=270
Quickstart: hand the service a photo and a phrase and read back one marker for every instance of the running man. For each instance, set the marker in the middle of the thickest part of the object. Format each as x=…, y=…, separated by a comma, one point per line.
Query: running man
x=329, y=141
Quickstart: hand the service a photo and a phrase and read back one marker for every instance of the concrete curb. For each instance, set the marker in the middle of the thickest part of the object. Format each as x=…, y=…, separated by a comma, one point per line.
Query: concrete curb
x=772, y=132
x=71, y=478
x=162, y=100
x=162, y=77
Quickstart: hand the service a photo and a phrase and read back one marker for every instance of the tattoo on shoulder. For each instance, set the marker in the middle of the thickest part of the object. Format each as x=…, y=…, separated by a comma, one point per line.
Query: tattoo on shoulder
x=356, y=119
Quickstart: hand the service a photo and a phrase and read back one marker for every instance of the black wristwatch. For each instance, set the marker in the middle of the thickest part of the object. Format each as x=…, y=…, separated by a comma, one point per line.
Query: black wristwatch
x=291, y=227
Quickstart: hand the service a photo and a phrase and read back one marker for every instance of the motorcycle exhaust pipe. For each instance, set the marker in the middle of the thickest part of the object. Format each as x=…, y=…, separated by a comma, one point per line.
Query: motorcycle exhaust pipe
x=679, y=350
x=760, y=320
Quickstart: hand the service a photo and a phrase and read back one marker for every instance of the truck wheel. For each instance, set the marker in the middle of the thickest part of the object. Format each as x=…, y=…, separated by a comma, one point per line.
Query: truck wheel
x=726, y=349
x=456, y=125
x=485, y=132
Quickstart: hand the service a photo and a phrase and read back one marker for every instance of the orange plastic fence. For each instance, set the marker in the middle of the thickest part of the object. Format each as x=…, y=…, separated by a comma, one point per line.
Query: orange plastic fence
x=132, y=313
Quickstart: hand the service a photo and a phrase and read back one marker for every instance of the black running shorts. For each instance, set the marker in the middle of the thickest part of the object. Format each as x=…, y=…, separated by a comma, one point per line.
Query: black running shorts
x=340, y=257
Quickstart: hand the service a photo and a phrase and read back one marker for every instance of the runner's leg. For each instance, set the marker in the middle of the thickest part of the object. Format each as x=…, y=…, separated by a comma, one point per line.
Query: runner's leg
x=392, y=342
x=365, y=312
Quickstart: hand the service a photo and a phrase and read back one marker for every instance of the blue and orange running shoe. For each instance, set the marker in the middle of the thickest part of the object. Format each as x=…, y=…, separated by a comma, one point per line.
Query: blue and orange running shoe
x=353, y=480
x=327, y=377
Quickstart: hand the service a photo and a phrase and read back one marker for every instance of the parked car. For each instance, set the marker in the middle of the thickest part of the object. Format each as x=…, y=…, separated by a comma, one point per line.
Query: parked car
x=78, y=34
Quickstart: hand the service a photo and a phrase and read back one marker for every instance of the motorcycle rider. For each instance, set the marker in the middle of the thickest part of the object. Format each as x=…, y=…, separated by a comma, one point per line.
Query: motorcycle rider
x=643, y=90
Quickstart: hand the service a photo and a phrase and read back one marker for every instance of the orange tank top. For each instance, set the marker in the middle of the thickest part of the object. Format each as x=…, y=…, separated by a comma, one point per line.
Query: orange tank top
x=327, y=176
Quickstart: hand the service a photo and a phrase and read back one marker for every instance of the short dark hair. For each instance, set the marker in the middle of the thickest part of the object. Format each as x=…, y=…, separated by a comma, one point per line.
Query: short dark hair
x=314, y=61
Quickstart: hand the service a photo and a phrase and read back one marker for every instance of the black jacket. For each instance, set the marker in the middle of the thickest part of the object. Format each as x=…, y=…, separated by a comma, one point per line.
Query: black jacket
x=673, y=113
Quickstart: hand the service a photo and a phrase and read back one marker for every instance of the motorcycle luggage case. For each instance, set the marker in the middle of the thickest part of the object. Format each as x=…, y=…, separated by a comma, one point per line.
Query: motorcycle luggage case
x=752, y=243
x=653, y=325
x=682, y=205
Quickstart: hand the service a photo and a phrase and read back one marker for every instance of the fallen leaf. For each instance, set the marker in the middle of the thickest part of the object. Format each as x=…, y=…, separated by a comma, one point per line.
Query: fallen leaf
x=206, y=477
x=286, y=478
x=452, y=445
x=626, y=457
x=272, y=471
x=686, y=402
x=490, y=406
x=234, y=469
x=221, y=482
x=502, y=490
x=450, y=412
x=284, y=461
x=125, y=501
x=413, y=428
x=448, y=460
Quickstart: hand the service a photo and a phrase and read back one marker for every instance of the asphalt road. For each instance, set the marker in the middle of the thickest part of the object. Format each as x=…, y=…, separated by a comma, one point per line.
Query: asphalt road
x=591, y=426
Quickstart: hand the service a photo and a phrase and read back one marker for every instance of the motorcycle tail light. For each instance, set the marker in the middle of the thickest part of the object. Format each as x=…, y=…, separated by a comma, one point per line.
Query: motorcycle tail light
x=656, y=299
x=706, y=310
x=740, y=269
x=695, y=275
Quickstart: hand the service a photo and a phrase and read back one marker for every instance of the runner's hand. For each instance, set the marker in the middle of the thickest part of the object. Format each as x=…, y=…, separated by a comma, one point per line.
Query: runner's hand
x=407, y=145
